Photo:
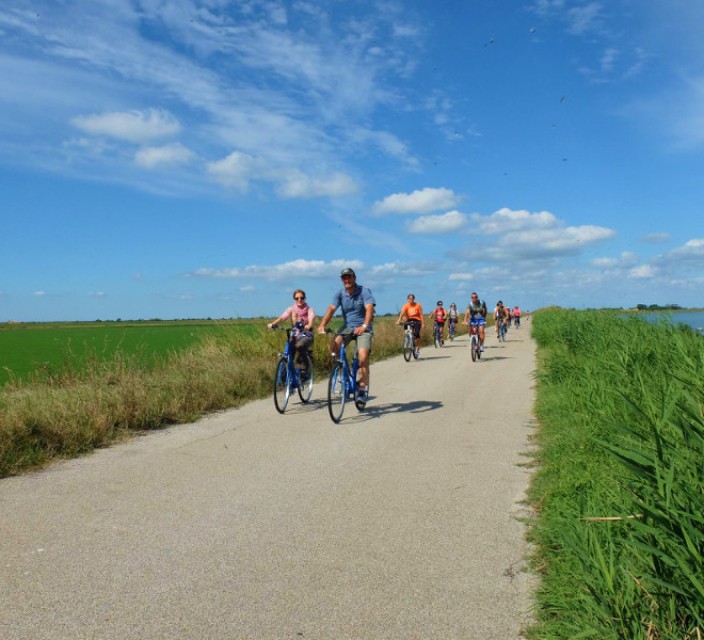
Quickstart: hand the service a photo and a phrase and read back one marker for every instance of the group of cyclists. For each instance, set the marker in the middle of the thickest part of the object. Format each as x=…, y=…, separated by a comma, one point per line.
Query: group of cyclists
x=357, y=304
x=475, y=314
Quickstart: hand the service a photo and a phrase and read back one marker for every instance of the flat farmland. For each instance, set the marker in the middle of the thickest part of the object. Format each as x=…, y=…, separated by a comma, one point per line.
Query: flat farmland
x=35, y=351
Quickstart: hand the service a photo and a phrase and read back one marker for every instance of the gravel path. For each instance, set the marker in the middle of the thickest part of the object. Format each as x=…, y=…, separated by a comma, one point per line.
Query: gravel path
x=401, y=522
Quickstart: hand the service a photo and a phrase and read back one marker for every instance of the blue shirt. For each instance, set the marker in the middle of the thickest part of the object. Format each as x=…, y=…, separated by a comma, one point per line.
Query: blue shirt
x=353, y=306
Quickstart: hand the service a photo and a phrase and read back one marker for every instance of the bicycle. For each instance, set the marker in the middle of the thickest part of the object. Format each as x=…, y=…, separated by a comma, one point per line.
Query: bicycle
x=288, y=377
x=409, y=343
x=437, y=331
x=343, y=385
x=475, y=345
x=501, y=330
x=451, y=330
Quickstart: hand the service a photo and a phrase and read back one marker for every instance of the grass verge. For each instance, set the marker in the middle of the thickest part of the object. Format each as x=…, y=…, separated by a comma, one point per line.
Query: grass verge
x=620, y=485
x=75, y=411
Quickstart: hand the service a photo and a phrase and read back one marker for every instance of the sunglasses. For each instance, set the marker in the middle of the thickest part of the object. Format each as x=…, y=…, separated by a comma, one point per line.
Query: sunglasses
x=299, y=298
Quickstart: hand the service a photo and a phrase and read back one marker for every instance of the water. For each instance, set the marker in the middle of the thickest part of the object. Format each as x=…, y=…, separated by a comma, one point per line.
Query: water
x=694, y=319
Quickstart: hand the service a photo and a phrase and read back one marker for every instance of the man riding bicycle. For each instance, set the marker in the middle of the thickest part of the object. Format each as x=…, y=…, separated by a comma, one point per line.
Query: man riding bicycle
x=476, y=315
x=357, y=304
x=500, y=316
x=413, y=311
x=439, y=315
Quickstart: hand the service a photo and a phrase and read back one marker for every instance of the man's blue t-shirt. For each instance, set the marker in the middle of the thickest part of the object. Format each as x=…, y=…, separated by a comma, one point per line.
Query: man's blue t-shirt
x=353, y=306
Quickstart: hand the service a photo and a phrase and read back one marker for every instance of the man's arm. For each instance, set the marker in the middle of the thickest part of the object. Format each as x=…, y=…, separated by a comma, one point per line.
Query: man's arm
x=368, y=317
x=326, y=318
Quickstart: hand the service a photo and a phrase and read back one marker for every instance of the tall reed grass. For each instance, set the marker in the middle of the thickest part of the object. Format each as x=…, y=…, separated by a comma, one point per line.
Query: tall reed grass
x=620, y=486
x=74, y=411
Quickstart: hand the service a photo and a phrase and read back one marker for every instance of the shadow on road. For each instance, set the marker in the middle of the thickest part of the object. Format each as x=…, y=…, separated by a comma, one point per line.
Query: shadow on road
x=417, y=406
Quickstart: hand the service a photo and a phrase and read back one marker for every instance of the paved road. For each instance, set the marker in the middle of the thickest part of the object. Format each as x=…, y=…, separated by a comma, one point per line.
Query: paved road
x=399, y=523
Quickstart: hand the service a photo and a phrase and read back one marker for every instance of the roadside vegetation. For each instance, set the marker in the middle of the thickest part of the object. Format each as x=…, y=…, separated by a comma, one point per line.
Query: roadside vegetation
x=619, y=490
x=64, y=411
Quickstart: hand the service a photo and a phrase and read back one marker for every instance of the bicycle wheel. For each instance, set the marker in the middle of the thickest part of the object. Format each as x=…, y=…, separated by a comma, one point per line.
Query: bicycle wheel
x=337, y=392
x=438, y=341
x=407, y=347
x=305, y=387
x=473, y=348
x=282, y=386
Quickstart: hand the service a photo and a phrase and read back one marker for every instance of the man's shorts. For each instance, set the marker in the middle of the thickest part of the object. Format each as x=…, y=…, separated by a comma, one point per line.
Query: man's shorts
x=363, y=342
x=415, y=325
x=480, y=322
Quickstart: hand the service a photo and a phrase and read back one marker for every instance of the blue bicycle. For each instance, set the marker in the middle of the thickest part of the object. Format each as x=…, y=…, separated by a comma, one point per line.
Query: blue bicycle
x=342, y=385
x=288, y=376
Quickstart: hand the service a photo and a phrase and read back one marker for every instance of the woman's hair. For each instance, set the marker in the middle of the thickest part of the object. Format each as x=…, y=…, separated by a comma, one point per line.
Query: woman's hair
x=303, y=293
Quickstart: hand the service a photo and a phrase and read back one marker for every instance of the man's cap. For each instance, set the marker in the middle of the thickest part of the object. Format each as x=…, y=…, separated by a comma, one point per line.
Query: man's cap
x=347, y=272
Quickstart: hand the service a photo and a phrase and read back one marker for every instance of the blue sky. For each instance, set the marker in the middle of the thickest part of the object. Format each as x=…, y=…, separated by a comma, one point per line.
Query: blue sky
x=203, y=158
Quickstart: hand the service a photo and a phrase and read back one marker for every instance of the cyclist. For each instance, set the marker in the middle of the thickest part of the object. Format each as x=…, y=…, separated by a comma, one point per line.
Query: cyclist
x=500, y=315
x=476, y=314
x=413, y=311
x=357, y=304
x=302, y=318
x=439, y=315
x=517, y=316
x=452, y=317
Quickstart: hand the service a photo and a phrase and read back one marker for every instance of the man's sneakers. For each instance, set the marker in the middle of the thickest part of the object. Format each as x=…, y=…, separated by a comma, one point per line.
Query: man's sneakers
x=417, y=353
x=482, y=348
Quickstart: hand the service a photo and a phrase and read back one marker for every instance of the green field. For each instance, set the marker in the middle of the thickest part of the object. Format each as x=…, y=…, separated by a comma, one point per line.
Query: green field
x=30, y=351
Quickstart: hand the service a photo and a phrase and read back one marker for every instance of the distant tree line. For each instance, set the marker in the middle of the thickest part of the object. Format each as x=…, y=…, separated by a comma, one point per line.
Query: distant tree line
x=657, y=307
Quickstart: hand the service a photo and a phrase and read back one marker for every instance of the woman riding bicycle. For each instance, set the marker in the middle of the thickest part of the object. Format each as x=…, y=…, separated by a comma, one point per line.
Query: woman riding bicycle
x=413, y=311
x=439, y=315
x=453, y=317
x=302, y=318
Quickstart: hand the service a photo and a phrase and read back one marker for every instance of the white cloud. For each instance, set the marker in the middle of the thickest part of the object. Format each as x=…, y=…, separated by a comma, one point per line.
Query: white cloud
x=656, y=238
x=584, y=19
x=166, y=156
x=295, y=184
x=522, y=234
x=506, y=221
x=239, y=169
x=296, y=268
x=132, y=126
x=644, y=272
x=440, y=224
x=691, y=251
x=420, y=201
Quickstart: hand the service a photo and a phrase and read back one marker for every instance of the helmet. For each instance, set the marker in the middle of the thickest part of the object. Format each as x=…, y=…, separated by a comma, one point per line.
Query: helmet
x=347, y=272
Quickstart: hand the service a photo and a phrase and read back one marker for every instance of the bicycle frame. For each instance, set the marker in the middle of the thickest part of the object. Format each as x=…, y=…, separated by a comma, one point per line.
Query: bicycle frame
x=287, y=378
x=342, y=384
x=350, y=372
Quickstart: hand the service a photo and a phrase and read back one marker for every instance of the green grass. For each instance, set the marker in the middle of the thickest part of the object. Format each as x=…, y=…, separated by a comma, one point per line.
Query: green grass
x=620, y=485
x=95, y=402
x=35, y=351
